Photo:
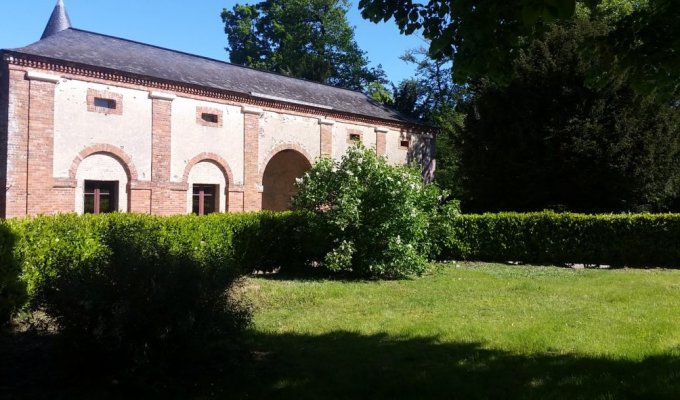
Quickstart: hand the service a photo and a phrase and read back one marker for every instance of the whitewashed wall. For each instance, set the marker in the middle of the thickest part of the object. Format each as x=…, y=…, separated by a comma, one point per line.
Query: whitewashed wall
x=189, y=138
x=282, y=129
x=395, y=154
x=76, y=128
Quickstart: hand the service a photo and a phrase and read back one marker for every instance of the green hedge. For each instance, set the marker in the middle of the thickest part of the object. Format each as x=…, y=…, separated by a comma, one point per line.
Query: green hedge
x=99, y=275
x=145, y=288
x=633, y=240
x=12, y=289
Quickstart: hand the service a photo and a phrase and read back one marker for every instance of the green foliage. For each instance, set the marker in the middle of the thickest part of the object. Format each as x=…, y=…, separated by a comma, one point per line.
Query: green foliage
x=300, y=38
x=479, y=36
x=483, y=38
x=641, y=46
x=633, y=240
x=137, y=288
x=377, y=215
x=12, y=289
x=431, y=90
x=146, y=289
x=379, y=92
x=549, y=140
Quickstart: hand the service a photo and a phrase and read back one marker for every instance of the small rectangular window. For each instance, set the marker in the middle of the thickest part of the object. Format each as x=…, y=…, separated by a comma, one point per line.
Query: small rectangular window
x=105, y=103
x=212, y=118
x=355, y=137
x=405, y=143
x=204, y=199
x=100, y=197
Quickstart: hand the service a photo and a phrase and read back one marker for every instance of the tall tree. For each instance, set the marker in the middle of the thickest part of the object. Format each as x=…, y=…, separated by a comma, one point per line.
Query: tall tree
x=309, y=39
x=431, y=96
x=549, y=140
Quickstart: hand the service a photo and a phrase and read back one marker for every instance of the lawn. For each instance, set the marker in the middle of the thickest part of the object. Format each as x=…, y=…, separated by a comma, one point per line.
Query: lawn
x=464, y=331
x=469, y=331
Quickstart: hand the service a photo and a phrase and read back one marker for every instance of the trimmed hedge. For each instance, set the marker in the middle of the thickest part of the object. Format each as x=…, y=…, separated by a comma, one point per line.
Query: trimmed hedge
x=633, y=240
x=145, y=288
x=101, y=275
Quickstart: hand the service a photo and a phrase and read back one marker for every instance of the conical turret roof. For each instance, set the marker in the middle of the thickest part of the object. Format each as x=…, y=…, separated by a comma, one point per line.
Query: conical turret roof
x=58, y=22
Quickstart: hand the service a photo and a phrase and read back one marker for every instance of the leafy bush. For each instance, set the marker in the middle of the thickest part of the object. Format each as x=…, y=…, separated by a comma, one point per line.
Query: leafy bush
x=634, y=240
x=138, y=288
x=377, y=215
x=12, y=289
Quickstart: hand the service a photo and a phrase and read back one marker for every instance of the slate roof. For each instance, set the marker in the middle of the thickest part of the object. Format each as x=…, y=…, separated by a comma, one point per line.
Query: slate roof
x=59, y=20
x=126, y=56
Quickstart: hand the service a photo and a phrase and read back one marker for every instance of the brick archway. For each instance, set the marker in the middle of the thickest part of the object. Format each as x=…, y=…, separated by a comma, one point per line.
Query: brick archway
x=220, y=162
x=110, y=150
x=282, y=167
x=278, y=149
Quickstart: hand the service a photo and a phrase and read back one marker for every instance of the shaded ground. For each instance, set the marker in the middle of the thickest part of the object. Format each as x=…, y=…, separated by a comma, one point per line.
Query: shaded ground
x=342, y=365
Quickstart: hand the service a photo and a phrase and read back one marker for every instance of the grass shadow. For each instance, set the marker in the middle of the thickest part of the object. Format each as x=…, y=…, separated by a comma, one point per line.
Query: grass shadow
x=346, y=365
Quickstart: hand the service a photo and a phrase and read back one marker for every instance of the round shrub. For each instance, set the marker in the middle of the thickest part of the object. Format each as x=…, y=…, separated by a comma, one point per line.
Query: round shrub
x=376, y=215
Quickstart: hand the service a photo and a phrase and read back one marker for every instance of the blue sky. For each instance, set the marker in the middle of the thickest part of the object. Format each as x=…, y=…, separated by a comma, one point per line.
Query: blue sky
x=190, y=26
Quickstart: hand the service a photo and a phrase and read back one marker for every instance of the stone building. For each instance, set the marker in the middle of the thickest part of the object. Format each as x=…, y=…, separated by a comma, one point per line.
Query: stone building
x=91, y=123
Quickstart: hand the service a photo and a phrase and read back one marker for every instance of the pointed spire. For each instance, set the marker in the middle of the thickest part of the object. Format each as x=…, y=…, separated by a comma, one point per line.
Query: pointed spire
x=59, y=20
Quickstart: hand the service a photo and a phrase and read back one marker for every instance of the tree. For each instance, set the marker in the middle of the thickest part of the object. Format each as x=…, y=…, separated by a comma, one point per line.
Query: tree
x=549, y=140
x=479, y=36
x=483, y=38
x=642, y=46
x=431, y=96
x=309, y=39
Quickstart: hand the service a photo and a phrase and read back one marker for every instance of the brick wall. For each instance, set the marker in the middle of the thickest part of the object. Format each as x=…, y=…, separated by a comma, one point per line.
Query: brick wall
x=252, y=196
x=380, y=142
x=166, y=198
x=4, y=87
x=27, y=149
x=326, y=137
x=40, y=135
x=17, y=143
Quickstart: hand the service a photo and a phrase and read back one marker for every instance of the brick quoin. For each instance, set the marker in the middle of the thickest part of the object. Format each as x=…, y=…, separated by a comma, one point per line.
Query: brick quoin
x=17, y=143
x=41, y=198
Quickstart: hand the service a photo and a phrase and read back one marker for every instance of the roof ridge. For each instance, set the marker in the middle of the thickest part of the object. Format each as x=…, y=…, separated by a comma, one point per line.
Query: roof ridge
x=218, y=61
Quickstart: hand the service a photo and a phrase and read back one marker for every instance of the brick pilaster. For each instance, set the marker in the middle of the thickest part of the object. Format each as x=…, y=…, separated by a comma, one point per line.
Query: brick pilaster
x=380, y=141
x=252, y=187
x=326, y=137
x=163, y=200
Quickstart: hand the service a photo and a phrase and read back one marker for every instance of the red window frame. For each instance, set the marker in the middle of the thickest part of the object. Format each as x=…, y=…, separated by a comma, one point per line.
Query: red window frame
x=205, y=199
x=98, y=191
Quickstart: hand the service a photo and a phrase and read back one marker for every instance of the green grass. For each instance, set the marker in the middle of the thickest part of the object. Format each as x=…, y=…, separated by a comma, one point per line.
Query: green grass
x=469, y=331
x=466, y=331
